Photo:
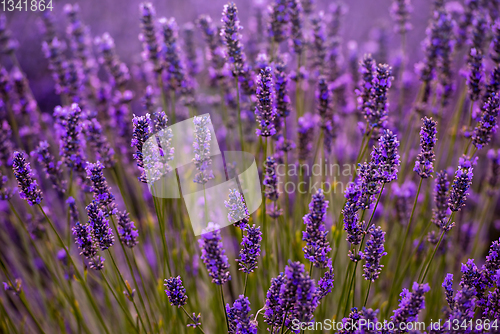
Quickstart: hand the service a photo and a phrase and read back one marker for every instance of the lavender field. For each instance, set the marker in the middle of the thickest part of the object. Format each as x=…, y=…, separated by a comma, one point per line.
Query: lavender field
x=261, y=166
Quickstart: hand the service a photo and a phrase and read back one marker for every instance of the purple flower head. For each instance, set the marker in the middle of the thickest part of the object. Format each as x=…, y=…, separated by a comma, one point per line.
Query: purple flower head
x=190, y=49
x=298, y=297
x=175, y=291
x=250, y=249
x=215, y=53
x=424, y=163
x=465, y=21
x=100, y=188
x=126, y=229
x=201, y=146
x=239, y=317
x=238, y=212
x=213, y=254
x=236, y=58
x=374, y=250
x=72, y=143
x=196, y=319
x=273, y=315
x=97, y=263
x=318, y=42
x=464, y=307
x=142, y=131
x=54, y=52
x=279, y=16
x=107, y=56
x=306, y=135
x=84, y=239
x=441, y=199
x=461, y=184
x=5, y=143
x=365, y=91
x=50, y=166
x=265, y=110
x=325, y=283
x=281, y=88
x=369, y=174
x=473, y=277
x=448, y=290
x=400, y=12
x=98, y=141
x=377, y=117
x=476, y=74
x=492, y=307
x=324, y=101
x=101, y=232
x=352, y=225
x=315, y=235
x=149, y=35
x=271, y=179
x=386, y=156
x=492, y=264
x=296, y=25
x=73, y=211
x=28, y=188
x=487, y=124
x=410, y=304
x=175, y=68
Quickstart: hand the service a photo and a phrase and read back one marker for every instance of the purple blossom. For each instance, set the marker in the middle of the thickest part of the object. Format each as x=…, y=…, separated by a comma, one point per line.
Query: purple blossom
x=324, y=101
x=377, y=117
x=238, y=212
x=315, y=235
x=487, y=124
x=296, y=26
x=102, y=192
x=107, y=56
x=28, y=187
x=215, y=53
x=494, y=157
x=236, y=58
x=250, y=249
x=5, y=143
x=5, y=191
x=441, y=199
x=98, y=141
x=352, y=225
x=201, y=147
x=50, y=166
x=213, y=255
x=265, y=110
x=410, y=304
x=239, y=317
x=386, y=156
x=273, y=314
x=369, y=173
x=306, y=134
x=318, y=42
x=492, y=264
x=126, y=229
x=492, y=307
x=400, y=12
x=72, y=143
x=448, y=290
x=325, y=283
x=282, y=100
x=175, y=291
x=365, y=92
x=476, y=74
x=175, y=67
x=84, y=239
x=279, y=16
x=374, y=250
x=461, y=184
x=101, y=232
x=142, y=131
x=149, y=35
x=424, y=163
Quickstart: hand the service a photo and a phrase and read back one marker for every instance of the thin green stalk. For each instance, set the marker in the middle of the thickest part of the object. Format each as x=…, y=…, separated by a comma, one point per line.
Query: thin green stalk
x=190, y=317
x=367, y=293
x=224, y=305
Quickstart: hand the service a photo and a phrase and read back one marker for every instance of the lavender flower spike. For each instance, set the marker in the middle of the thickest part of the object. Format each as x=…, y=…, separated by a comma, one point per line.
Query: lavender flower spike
x=448, y=290
x=487, y=125
x=5, y=192
x=386, y=156
x=238, y=212
x=265, y=110
x=273, y=315
x=213, y=255
x=28, y=188
x=175, y=291
x=441, y=199
x=306, y=134
x=352, y=225
x=400, y=11
x=142, y=131
x=377, y=118
x=102, y=192
x=149, y=34
x=461, y=184
x=51, y=168
x=126, y=229
x=325, y=283
x=410, y=304
x=71, y=146
x=296, y=22
x=317, y=245
x=374, y=251
x=424, y=163
x=175, y=67
x=201, y=146
x=476, y=74
x=231, y=35
x=250, y=249
x=278, y=21
x=101, y=232
x=239, y=317
x=84, y=239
